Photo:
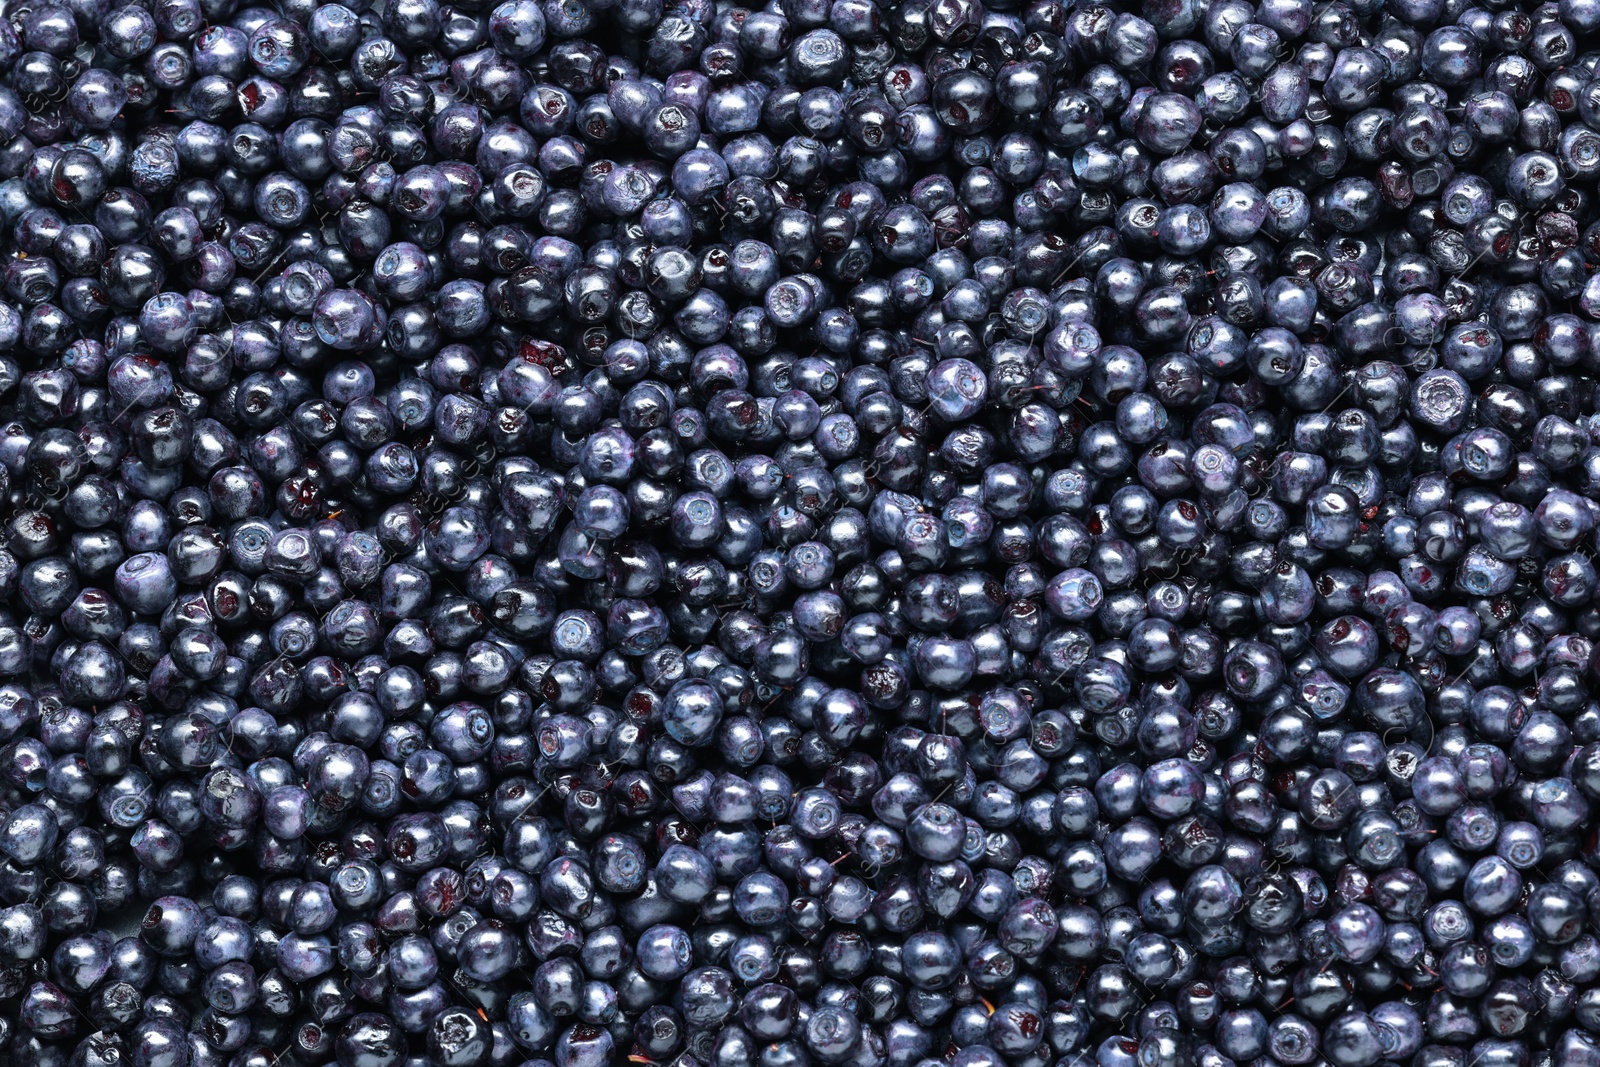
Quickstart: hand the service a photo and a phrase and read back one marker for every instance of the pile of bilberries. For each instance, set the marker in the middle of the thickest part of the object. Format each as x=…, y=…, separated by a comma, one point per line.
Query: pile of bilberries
x=851, y=533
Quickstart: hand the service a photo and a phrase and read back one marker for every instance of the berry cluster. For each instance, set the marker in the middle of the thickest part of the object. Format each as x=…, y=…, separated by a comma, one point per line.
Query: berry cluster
x=854, y=533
